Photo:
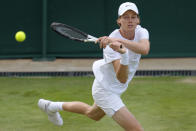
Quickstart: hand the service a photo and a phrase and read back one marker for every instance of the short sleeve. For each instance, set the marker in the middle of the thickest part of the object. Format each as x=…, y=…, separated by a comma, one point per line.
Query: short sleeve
x=110, y=55
x=143, y=34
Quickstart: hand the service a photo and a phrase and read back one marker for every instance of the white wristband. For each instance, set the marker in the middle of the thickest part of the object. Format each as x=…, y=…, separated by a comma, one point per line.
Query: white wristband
x=124, y=58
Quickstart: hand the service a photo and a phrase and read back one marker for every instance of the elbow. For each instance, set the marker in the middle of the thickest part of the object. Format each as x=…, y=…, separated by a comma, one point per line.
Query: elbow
x=123, y=81
x=145, y=48
x=145, y=51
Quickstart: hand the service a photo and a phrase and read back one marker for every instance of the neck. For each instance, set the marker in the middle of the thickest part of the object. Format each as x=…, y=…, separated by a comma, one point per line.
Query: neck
x=127, y=34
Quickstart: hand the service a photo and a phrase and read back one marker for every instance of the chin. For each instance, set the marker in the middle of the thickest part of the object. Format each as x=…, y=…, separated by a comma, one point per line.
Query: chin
x=130, y=29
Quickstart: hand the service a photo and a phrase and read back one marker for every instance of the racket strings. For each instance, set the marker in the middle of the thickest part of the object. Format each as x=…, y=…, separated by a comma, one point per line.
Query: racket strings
x=71, y=33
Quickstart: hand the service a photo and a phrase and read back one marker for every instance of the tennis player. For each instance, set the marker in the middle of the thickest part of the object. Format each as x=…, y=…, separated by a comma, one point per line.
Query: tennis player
x=122, y=52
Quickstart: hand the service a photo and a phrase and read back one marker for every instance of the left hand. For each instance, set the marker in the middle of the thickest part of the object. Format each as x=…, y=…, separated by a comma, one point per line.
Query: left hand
x=105, y=40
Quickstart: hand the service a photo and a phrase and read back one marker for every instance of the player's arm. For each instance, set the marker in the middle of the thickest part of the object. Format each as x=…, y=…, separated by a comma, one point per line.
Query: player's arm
x=141, y=47
x=121, y=71
x=121, y=66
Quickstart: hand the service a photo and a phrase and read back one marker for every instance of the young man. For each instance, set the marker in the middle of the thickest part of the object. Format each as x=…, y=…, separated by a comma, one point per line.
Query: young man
x=122, y=52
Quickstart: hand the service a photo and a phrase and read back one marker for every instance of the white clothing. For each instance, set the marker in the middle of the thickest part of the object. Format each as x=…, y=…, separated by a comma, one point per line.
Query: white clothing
x=108, y=101
x=103, y=69
x=108, y=88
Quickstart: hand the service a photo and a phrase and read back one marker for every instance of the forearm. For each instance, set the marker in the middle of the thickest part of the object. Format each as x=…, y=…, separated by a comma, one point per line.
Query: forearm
x=121, y=71
x=141, y=47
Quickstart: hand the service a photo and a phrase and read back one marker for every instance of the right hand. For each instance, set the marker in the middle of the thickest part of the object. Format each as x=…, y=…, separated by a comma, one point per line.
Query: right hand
x=105, y=40
x=117, y=46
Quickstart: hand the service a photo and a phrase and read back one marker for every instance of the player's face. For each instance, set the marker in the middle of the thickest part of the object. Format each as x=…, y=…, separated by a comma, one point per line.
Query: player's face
x=128, y=21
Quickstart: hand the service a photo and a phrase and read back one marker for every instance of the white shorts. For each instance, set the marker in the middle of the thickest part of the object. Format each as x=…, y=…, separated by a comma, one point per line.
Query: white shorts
x=108, y=101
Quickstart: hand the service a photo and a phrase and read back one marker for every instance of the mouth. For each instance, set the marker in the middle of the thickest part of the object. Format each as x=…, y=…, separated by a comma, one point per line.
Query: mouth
x=130, y=26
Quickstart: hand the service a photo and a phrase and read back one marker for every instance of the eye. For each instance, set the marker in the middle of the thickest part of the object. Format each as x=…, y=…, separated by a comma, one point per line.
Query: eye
x=126, y=17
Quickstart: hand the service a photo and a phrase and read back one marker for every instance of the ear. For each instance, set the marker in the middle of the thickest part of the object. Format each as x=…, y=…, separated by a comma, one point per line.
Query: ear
x=118, y=21
x=138, y=20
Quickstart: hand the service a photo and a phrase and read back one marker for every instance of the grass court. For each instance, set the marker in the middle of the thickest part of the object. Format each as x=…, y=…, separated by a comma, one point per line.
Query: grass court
x=159, y=103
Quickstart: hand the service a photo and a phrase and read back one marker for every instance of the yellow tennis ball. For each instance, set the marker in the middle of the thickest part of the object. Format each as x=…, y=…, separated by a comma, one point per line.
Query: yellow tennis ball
x=20, y=36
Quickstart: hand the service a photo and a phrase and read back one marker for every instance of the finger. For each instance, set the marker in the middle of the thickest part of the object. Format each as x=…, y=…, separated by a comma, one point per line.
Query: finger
x=97, y=41
x=100, y=45
x=103, y=37
x=102, y=41
x=109, y=40
x=122, y=50
x=104, y=45
x=110, y=44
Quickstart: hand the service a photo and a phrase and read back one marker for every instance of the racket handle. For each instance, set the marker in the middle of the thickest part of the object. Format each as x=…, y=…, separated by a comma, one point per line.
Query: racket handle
x=90, y=40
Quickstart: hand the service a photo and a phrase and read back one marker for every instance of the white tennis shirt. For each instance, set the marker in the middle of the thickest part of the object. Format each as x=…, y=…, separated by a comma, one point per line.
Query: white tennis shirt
x=103, y=69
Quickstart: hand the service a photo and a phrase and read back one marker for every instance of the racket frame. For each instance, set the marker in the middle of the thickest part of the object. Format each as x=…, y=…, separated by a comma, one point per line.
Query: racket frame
x=89, y=38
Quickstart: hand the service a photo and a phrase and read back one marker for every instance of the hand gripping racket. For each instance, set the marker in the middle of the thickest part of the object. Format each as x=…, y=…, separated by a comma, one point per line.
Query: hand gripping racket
x=72, y=33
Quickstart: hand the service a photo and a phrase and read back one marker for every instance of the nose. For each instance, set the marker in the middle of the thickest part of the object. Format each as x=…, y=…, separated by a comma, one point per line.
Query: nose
x=130, y=20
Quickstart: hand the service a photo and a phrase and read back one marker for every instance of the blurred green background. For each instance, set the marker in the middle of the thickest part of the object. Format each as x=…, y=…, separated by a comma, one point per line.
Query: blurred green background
x=171, y=25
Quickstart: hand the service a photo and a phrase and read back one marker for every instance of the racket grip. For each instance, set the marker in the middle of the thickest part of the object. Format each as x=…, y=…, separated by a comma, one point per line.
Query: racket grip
x=121, y=46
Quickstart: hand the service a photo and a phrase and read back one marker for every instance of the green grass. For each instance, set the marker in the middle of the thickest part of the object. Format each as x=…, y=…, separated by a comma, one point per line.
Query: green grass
x=159, y=103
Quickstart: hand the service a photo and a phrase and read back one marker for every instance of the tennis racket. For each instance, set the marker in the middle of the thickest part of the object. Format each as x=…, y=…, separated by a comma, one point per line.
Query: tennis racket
x=72, y=33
